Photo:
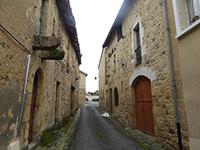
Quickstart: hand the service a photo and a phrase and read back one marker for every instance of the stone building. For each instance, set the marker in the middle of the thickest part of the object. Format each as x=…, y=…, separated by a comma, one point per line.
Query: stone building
x=39, y=40
x=135, y=80
x=82, y=90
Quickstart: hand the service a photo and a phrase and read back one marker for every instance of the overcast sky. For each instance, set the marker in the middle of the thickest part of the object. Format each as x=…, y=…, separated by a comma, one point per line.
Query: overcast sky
x=94, y=19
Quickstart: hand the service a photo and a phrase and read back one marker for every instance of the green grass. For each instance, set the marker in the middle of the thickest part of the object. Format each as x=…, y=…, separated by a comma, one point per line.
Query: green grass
x=47, y=137
x=65, y=121
x=145, y=147
x=123, y=126
x=99, y=135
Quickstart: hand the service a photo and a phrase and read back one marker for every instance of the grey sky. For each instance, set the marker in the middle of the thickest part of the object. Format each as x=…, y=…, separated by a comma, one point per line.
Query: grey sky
x=94, y=19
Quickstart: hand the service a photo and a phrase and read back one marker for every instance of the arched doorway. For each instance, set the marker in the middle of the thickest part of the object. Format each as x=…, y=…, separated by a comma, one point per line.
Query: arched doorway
x=143, y=102
x=57, y=105
x=110, y=102
x=116, y=97
x=72, y=100
x=36, y=109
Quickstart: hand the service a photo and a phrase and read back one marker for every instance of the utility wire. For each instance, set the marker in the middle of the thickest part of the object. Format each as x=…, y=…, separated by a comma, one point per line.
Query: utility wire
x=15, y=39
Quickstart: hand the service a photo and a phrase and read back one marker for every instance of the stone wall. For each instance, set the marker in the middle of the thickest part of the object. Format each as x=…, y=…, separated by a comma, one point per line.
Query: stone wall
x=82, y=86
x=55, y=98
x=81, y=96
x=120, y=59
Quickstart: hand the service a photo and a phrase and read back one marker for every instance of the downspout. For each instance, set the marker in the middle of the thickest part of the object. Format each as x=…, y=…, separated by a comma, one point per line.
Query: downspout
x=24, y=93
x=173, y=78
x=25, y=80
x=40, y=20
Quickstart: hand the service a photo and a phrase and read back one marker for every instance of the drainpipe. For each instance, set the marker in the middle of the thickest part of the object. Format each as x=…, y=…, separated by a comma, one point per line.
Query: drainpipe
x=173, y=78
x=40, y=20
x=24, y=93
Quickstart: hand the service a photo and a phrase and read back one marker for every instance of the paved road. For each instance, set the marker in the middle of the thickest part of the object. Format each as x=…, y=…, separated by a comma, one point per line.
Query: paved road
x=94, y=132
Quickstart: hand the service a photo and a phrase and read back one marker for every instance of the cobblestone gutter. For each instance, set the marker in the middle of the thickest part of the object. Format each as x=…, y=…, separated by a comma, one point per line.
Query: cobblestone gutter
x=62, y=136
x=148, y=142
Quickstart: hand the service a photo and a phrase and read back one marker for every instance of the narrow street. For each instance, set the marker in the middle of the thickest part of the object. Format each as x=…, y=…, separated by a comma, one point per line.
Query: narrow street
x=94, y=132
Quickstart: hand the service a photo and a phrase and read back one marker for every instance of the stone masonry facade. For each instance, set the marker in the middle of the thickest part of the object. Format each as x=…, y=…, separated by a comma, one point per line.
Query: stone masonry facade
x=118, y=69
x=82, y=87
x=54, y=78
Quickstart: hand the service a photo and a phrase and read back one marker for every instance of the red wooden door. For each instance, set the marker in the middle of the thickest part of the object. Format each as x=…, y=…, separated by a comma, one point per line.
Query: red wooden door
x=32, y=109
x=144, y=111
x=110, y=103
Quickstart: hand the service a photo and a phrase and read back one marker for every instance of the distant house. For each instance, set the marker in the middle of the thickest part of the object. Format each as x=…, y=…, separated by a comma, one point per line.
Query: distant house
x=97, y=92
x=136, y=84
x=38, y=38
x=82, y=84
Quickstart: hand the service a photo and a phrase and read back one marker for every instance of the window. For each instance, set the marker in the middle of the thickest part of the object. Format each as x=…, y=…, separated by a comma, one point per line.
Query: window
x=119, y=32
x=116, y=97
x=122, y=86
x=108, y=68
x=101, y=93
x=137, y=46
x=186, y=14
x=114, y=61
x=67, y=70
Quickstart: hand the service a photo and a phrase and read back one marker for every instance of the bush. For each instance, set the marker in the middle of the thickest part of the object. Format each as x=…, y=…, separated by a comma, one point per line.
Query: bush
x=46, y=137
x=65, y=121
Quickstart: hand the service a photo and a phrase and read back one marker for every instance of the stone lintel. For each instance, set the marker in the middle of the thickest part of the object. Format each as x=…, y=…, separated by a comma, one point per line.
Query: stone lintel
x=45, y=43
x=53, y=55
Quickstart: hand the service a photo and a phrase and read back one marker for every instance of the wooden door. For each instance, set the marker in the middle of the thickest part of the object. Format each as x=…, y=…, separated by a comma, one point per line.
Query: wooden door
x=56, y=112
x=72, y=100
x=110, y=102
x=32, y=108
x=144, y=111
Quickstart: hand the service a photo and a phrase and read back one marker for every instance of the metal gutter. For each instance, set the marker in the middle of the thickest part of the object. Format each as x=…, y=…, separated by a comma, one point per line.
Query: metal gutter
x=173, y=77
x=24, y=93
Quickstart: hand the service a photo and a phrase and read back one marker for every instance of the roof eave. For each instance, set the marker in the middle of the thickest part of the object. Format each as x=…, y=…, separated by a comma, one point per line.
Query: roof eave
x=118, y=20
x=70, y=25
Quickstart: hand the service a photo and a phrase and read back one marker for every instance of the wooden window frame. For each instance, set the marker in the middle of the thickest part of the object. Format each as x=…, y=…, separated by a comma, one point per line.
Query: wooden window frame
x=119, y=32
x=138, y=45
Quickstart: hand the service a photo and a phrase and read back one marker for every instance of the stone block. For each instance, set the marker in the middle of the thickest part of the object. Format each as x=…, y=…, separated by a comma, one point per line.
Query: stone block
x=40, y=100
x=26, y=117
x=36, y=124
x=182, y=114
x=171, y=130
x=183, y=124
x=162, y=89
x=179, y=92
x=167, y=122
x=29, y=87
x=14, y=146
x=161, y=111
x=184, y=134
x=167, y=94
x=181, y=104
x=53, y=55
x=45, y=43
x=159, y=120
